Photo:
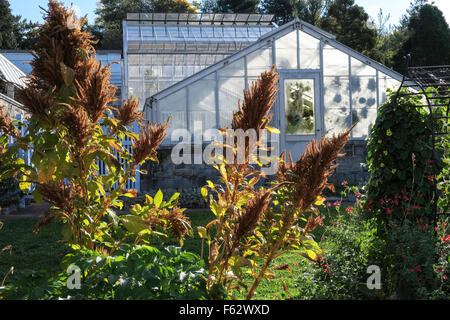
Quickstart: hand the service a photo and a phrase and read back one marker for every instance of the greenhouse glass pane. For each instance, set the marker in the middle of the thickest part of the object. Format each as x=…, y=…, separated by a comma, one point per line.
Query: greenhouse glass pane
x=259, y=61
x=364, y=92
x=299, y=97
x=175, y=105
x=386, y=83
x=309, y=51
x=202, y=106
x=286, y=51
x=335, y=62
x=134, y=33
x=337, y=104
x=134, y=72
x=230, y=93
x=234, y=69
x=362, y=69
x=366, y=119
x=364, y=104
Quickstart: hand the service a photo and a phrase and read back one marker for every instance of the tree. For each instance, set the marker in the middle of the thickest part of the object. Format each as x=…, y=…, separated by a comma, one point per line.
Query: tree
x=238, y=6
x=349, y=23
x=7, y=27
x=26, y=33
x=111, y=13
x=209, y=6
x=428, y=39
x=310, y=11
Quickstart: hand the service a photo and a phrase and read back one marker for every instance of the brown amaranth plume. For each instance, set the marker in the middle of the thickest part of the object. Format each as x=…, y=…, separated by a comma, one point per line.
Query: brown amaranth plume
x=60, y=41
x=79, y=126
x=6, y=124
x=59, y=195
x=251, y=214
x=150, y=138
x=129, y=113
x=257, y=103
x=308, y=177
x=94, y=90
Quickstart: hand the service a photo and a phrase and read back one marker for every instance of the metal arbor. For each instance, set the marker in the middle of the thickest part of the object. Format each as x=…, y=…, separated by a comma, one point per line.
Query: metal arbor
x=432, y=85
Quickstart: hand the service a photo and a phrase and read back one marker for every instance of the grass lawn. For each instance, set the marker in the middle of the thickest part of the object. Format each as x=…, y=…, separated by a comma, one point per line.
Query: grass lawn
x=32, y=253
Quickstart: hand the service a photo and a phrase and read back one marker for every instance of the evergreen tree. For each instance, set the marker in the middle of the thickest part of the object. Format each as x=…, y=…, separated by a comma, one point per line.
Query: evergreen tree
x=349, y=23
x=285, y=11
x=8, y=27
x=25, y=33
x=238, y=6
x=428, y=39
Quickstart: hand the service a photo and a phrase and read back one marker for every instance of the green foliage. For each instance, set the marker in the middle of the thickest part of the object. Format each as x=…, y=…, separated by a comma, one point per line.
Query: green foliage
x=190, y=198
x=401, y=195
x=9, y=192
x=285, y=11
x=7, y=27
x=238, y=6
x=399, y=156
x=428, y=39
x=133, y=272
x=348, y=22
x=349, y=242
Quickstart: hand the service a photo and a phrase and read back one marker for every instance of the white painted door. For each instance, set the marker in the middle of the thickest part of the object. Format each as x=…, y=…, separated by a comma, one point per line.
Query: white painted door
x=299, y=110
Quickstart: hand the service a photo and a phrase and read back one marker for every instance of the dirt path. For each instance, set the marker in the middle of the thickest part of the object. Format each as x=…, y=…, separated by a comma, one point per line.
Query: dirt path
x=33, y=210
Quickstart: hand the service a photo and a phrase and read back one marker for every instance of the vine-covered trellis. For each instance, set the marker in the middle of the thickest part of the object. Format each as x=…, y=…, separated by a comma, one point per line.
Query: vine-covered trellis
x=436, y=101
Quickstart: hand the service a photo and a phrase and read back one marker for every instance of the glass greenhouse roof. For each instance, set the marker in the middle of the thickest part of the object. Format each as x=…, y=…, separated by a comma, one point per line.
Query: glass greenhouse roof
x=202, y=18
x=161, y=49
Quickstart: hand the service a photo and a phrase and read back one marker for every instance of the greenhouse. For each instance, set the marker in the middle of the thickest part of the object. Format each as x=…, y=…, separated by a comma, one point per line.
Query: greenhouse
x=161, y=49
x=325, y=87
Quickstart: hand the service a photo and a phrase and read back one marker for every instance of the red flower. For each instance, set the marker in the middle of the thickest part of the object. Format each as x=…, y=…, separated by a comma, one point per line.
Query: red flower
x=431, y=177
x=357, y=194
x=444, y=277
x=444, y=224
x=349, y=210
x=389, y=210
x=344, y=183
x=446, y=238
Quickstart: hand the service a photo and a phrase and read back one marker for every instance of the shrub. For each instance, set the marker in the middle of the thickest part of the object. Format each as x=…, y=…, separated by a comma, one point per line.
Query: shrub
x=349, y=244
x=399, y=156
x=401, y=194
x=133, y=272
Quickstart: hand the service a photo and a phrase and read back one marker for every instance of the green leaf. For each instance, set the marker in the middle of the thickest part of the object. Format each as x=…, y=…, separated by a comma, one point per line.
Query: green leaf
x=174, y=197
x=112, y=214
x=204, y=192
x=273, y=130
x=203, y=233
x=134, y=224
x=158, y=199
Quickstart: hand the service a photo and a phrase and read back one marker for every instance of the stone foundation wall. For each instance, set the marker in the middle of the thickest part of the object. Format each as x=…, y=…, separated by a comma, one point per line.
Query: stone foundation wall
x=166, y=175
x=352, y=166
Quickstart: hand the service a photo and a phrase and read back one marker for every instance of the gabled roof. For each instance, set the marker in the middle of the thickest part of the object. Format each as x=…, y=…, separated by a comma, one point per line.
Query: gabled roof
x=10, y=73
x=313, y=31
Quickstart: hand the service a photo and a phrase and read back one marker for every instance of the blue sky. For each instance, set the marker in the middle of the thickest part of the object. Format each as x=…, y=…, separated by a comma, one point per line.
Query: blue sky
x=396, y=8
